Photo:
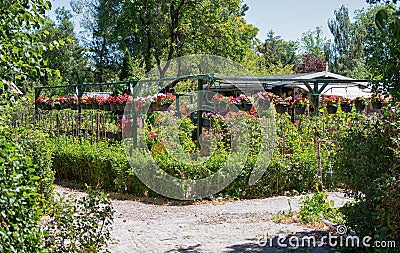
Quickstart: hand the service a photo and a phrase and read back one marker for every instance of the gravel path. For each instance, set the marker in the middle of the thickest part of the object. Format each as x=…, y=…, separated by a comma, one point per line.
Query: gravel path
x=208, y=226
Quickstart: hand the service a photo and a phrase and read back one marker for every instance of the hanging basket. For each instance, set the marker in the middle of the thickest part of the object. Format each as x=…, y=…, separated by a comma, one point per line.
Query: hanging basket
x=74, y=107
x=113, y=107
x=206, y=122
x=360, y=106
x=120, y=107
x=263, y=105
x=300, y=110
x=331, y=109
x=346, y=107
x=58, y=106
x=246, y=107
x=106, y=107
x=95, y=106
x=281, y=108
x=377, y=105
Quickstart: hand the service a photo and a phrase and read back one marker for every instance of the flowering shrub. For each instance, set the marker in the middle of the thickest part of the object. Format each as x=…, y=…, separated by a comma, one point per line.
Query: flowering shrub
x=281, y=101
x=163, y=99
x=300, y=102
x=347, y=101
x=331, y=101
x=377, y=98
x=360, y=100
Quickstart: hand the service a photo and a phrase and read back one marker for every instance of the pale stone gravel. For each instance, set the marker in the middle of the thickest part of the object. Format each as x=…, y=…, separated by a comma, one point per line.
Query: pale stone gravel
x=208, y=226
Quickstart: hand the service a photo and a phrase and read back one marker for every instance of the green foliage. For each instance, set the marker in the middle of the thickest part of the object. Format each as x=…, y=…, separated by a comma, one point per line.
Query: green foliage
x=347, y=54
x=128, y=68
x=368, y=158
x=21, y=51
x=19, y=205
x=277, y=51
x=294, y=167
x=158, y=31
x=256, y=65
x=314, y=43
x=36, y=146
x=20, y=178
x=385, y=60
x=315, y=208
x=68, y=57
x=80, y=225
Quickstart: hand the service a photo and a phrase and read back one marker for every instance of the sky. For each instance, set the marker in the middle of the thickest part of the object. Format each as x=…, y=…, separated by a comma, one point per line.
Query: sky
x=291, y=18
x=287, y=18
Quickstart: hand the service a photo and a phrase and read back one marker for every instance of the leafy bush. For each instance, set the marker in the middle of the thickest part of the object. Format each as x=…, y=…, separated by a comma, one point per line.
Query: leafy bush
x=101, y=165
x=19, y=200
x=315, y=208
x=80, y=225
x=293, y=168
x=369, y=162
x=35, y=145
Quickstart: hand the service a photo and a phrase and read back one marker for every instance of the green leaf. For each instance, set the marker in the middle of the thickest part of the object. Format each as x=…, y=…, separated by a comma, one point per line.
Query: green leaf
x=381, y=19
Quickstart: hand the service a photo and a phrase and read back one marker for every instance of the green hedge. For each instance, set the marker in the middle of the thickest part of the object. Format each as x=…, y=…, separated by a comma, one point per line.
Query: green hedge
x=22, y=195
x=102, y=165
x=369, y=162
x=293, y=168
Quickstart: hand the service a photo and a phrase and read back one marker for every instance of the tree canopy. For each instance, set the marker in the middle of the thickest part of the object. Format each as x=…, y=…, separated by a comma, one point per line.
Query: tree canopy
x=20, y=49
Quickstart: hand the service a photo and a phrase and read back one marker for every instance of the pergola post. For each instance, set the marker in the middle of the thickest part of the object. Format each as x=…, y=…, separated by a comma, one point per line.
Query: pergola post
x=199, y=111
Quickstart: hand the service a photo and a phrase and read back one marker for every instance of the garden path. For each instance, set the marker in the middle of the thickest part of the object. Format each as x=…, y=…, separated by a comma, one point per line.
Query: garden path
x=159, y=225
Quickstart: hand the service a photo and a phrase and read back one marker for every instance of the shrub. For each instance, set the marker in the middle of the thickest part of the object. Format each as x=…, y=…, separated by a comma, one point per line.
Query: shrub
x=293, y=168
x=35, y=144
x=101, y=165
x=80, y=225
x=368, y=158
x=19, y=200
x=315, y=208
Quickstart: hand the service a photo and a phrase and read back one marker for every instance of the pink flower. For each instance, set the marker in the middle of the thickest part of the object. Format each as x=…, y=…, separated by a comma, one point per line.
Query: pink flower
x=153, y=135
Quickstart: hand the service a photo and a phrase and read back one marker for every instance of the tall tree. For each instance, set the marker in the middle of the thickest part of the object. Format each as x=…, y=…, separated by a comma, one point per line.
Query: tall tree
x=383, y=47
x=347, y=51
x=99, y=22
x=128, y=68
x=314, y=43
x=68, y=58
x=157, y=31
x=277, y=51
x=255, y=63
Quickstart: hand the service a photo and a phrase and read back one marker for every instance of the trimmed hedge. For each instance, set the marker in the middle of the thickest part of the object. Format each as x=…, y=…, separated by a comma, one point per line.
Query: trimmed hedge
x=293, y=168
